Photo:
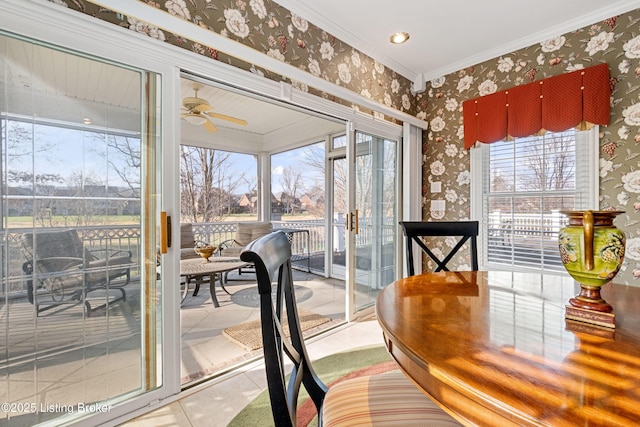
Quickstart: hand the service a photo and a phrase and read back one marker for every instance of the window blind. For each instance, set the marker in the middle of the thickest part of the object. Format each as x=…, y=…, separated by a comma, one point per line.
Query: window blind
x=526, y=183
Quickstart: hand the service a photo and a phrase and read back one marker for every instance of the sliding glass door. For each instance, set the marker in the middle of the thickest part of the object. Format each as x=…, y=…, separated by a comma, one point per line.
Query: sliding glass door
x=79, y=321
x=373, y=216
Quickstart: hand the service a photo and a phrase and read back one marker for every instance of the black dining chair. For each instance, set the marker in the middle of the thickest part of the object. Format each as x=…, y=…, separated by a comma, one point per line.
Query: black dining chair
x=415, y=231
x=388, y=399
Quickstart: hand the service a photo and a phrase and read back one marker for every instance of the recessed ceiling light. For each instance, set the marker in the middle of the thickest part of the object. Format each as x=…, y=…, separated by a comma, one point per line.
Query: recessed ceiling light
x=86, y=121
x=398, y=38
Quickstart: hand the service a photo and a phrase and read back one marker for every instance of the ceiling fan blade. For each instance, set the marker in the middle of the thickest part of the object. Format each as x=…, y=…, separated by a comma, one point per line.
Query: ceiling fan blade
x=203, y=107
x=210, y=127
x=228, y=118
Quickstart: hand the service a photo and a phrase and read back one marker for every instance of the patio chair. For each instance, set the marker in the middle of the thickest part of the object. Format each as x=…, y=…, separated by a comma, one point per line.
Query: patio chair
x=246, y=232
x=188, y=242
x=416, y=230
x=388, y=399
x=61, y=270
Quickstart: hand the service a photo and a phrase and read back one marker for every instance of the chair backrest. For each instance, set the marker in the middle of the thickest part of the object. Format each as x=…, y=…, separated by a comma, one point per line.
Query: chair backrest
x=43, y=244
x=187, y=239
x=271, y=256
x=247, y=232
x=416, y=230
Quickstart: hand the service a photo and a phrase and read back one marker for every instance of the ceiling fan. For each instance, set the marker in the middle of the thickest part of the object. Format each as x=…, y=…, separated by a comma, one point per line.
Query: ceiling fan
x=197, y=111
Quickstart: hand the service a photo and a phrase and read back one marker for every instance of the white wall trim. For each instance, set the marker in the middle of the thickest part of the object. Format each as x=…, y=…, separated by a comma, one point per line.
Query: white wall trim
x=412, y=173
x=164, y=20
x=412, y=185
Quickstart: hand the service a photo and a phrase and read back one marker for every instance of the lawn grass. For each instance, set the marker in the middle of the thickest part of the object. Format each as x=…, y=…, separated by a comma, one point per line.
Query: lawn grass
x=61, y=221
x=119, y=220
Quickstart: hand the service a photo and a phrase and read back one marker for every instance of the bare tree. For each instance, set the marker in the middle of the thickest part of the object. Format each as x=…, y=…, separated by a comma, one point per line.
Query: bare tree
x=552, y=164
x=340, y=185
x=314, y=159
x=547, y=166
x=292, y=184
x=207, y=184
x=41, y=184
x=364, y=183
x=251, y=183
x=499, y=183
x=123, y=156
x=85, y=209
x=20, y=147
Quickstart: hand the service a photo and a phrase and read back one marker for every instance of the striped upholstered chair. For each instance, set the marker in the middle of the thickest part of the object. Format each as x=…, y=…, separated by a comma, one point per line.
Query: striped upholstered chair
x=388, y=399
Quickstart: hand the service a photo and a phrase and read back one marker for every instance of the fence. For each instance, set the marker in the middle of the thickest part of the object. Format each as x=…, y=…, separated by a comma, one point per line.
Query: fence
x=311, y=241
x=95, y=238
x=509, y=225
x=128, y=238
x=525, y=240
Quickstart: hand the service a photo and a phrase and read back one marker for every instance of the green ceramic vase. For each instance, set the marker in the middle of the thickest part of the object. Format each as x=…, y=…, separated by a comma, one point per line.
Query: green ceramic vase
x=592, y=251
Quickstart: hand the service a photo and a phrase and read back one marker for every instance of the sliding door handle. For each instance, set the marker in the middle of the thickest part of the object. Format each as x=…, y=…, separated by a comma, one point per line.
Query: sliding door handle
x=165, y=232
x=353, y=221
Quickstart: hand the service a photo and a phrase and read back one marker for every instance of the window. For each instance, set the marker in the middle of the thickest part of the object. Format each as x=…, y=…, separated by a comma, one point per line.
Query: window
x=524, y=184
x=298, y=183
x=217, y=185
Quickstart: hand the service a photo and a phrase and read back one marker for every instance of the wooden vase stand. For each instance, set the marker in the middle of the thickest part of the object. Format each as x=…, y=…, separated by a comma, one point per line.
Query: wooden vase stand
x=589, y=307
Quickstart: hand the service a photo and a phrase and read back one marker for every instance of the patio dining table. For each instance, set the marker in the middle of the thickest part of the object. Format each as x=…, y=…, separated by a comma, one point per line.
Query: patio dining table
x=199, y=272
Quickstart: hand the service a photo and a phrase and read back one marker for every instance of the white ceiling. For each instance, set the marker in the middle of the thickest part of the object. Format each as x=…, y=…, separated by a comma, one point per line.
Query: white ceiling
x=270, y=127
x=45, y=83
x=449, y=35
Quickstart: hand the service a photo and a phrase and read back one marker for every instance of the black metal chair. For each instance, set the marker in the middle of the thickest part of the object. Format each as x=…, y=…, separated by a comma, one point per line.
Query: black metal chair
x=416, y=230
x=59, y=270
x=388, y=399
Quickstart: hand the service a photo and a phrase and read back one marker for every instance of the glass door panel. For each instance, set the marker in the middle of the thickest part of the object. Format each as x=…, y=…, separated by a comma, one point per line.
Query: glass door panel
x=78, y=200
x=338, y=219
x=376, y=203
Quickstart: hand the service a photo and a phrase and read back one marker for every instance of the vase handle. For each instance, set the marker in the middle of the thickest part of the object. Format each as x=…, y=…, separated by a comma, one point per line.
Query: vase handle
x=587, y=222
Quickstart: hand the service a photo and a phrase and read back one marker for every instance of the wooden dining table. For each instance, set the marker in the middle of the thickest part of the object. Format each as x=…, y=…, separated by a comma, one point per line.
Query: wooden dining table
x=494, y=348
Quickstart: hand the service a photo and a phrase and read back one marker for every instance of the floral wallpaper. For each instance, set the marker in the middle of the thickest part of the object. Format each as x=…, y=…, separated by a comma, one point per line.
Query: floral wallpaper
x=273, y=30
x=269, y=28
x=615, y=41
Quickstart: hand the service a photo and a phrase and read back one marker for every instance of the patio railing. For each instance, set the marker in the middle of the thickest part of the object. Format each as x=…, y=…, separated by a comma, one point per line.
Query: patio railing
x=95, y=238
x=311, y=241
x=128, y=238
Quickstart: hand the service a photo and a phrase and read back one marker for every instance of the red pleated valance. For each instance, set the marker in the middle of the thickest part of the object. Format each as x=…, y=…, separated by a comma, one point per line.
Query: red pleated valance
x=553, y=104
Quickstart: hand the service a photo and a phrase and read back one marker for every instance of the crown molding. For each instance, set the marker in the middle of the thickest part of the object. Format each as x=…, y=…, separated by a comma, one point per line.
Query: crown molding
x=346, y=36
x=532, y=39
x=168, y=22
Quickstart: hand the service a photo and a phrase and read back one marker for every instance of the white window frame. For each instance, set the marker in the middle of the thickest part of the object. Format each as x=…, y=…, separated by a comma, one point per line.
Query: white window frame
x=587, y=184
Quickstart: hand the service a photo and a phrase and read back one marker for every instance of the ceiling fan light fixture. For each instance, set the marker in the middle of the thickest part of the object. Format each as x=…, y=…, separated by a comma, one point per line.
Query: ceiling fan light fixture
x=398, y=38
x=195, y=119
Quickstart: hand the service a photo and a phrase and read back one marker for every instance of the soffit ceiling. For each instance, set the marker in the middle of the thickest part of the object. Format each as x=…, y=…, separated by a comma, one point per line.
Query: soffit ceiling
x=449, y=35
x=54, y=86
x=270, y=126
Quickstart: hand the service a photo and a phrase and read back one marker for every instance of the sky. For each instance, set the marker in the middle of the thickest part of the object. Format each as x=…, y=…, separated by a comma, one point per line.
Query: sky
x=71, y=153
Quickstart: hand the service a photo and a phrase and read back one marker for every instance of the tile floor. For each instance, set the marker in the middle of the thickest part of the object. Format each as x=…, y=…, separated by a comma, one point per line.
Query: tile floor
x=217, y=402
x=205, y=350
